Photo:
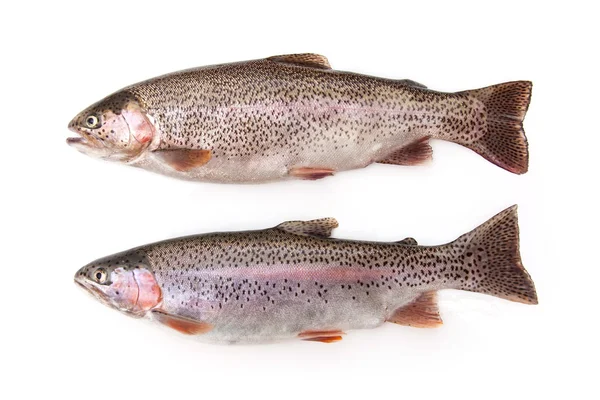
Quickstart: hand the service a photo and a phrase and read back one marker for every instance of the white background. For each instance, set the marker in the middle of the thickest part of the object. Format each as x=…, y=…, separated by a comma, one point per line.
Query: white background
x=61, y=209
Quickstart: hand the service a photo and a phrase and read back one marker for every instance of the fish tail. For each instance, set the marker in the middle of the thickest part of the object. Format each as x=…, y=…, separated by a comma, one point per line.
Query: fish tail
x=503, y=142
x=490, y=255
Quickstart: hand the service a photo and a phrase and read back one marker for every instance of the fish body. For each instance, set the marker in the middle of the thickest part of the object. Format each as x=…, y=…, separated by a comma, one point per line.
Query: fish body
x=295, y=281
x=293, y=116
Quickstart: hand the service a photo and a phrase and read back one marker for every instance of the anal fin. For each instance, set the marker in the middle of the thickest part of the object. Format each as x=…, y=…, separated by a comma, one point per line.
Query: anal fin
x=310, y=173
x=415, y=153
x=421, y=313
x=321, y=336
x=182, y=324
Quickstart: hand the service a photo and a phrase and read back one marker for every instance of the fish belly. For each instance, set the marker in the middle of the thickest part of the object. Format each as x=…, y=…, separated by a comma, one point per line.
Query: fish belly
x=263, y=306
x=320, y=136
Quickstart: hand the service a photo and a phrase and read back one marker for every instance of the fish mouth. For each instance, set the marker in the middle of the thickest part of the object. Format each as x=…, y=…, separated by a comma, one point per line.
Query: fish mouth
x=82, y=140
x=87, y=144
x=74, y=140
x=94, y=292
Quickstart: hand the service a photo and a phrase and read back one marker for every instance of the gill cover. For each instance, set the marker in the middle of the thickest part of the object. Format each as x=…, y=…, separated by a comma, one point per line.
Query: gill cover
x=128, y=287
x=115, y=128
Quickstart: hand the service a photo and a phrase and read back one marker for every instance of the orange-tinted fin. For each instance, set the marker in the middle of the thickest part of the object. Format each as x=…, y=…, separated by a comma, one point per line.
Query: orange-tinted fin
x=422, y=313
x=321, y=336
x=415, y=153
x=182, y=324
x=324, y=339
x=310, y=173
x=303, y=60
x=504, y=143
x=408, y=242
x=316, y=227
x=183, y=159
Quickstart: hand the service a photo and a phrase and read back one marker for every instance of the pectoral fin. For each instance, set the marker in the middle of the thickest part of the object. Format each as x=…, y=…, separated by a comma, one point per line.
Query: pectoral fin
x=421, y=313
x=184, y=159
x=182, y=324
x=303, y=60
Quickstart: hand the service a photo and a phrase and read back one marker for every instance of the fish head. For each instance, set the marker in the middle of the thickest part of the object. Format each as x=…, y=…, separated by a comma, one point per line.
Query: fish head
x=116, y=128
x=123, y=282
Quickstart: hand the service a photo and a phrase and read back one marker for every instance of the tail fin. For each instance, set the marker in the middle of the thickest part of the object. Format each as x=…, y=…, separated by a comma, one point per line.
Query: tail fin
x=504, y=143
x=491, y=255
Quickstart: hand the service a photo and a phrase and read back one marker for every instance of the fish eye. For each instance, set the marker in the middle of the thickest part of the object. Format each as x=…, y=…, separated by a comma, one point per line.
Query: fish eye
x=92, y=121
x=100, y=275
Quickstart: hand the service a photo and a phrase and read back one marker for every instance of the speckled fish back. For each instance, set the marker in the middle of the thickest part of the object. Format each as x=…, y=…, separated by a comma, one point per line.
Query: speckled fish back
x=190, y=106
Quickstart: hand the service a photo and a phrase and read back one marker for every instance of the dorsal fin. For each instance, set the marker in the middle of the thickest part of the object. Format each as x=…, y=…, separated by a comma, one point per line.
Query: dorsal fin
x=410, y=82
x=316, y=227
x=408, y=242
x=303, y=60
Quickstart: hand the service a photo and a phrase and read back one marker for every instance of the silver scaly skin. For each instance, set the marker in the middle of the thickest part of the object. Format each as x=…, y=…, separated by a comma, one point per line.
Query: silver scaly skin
x=295, y=281
x=293, y=116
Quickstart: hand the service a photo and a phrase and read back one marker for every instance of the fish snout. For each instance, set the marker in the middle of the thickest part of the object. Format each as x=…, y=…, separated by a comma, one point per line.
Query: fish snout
x=82, y=137
x=90, y=287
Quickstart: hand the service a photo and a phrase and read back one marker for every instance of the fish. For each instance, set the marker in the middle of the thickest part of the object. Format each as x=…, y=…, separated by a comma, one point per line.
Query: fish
x=295, y=281
x=294, y=117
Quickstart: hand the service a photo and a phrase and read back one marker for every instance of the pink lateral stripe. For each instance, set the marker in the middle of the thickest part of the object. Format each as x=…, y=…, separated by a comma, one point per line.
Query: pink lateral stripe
x=300, y=273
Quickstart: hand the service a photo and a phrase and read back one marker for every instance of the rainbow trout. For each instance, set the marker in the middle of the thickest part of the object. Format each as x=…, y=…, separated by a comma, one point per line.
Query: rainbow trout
x=292, y=116
x=294, y=281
